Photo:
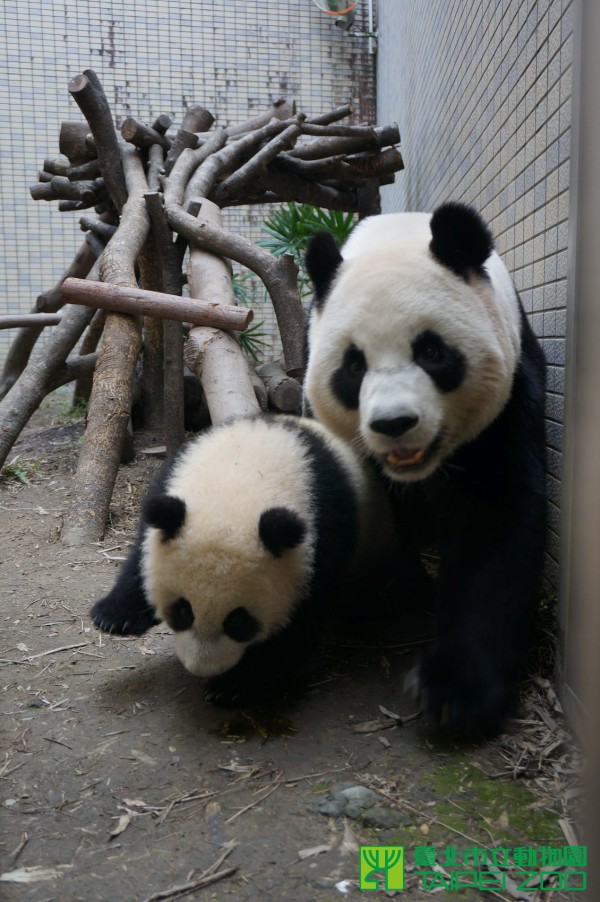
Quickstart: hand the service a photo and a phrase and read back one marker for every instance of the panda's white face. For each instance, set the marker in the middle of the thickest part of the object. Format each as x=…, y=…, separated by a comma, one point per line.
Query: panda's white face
x=226, y=567
x=408, y=359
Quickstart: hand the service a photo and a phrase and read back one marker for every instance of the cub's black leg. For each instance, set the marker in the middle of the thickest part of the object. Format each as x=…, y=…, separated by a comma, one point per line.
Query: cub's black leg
x=125, y=610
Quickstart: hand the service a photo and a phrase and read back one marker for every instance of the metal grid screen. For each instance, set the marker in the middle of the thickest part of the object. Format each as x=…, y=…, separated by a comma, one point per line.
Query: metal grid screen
x=151, y=58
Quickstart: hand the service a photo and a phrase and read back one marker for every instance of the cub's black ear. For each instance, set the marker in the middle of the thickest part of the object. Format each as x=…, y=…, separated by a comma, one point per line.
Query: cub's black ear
x=460, y=239
x=322, y=261
x=165, y=512
x=280, y=528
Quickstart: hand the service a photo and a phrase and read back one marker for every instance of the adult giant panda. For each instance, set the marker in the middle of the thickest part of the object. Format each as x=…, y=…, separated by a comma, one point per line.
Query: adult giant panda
x=421, y=355
x=243, y=541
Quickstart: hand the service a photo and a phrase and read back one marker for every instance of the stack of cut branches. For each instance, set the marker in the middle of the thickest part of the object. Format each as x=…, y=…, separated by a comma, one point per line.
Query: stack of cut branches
x=152, y=192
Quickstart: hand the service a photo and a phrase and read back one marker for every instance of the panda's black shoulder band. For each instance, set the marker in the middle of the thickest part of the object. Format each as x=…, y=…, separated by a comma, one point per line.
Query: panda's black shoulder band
x=460, y=239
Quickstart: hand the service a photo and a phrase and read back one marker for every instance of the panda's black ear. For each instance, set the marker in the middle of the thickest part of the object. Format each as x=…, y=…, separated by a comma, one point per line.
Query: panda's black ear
x=165, y=512
x=322, y=261
x=460, y=239
x=280, y=528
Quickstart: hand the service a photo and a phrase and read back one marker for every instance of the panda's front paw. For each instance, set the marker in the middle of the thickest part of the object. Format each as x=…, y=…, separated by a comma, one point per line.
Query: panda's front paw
x=227, y=691
x=111, y=615
x=470, y=693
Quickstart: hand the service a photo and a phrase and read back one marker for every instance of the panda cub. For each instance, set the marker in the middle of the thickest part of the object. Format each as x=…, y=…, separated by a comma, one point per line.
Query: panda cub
x=421, y=355
x=243, y=539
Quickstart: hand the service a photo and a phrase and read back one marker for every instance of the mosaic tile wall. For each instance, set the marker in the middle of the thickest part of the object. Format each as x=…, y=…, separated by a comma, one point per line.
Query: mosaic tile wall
x=481, y=92
x=233, y=58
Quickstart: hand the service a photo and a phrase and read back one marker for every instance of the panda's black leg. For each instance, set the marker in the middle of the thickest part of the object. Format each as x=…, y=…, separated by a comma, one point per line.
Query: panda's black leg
x=125, y=610
x=488, y=584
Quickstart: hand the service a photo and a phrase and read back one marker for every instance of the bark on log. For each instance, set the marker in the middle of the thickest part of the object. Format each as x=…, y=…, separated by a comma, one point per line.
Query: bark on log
x=143, y=135
x=260, y=389
x=382, y=136
x=215, y=357
x=73, y=144
x=152, y=343
x=35, y=381
x=110, y=402
x=279, y=275
x=280, y=109
x=87, y=92
x=17, y=320
x=75, y=368
x=25, y=339
x=284, y=393
x=173, y=382
x=231, y=156
x=256, y=165
x=91, y=339
x=121, y=299
x=189, y=161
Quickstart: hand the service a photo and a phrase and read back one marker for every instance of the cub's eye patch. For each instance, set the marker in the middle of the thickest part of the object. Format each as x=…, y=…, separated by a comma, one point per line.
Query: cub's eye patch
x=180, y=615
x=240, y=625
x=346, y=381
x=444, y=364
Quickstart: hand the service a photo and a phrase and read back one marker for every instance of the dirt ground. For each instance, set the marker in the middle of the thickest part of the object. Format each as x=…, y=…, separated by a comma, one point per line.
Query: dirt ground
x=119, y=782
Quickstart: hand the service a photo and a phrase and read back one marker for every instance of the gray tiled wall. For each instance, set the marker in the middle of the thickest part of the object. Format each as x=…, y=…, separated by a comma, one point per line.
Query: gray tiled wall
x=234, y=58
x=482, y=92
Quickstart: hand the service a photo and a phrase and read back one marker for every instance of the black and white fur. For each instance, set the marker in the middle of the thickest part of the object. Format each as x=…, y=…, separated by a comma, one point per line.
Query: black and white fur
x=421, y=355
x=242, y=542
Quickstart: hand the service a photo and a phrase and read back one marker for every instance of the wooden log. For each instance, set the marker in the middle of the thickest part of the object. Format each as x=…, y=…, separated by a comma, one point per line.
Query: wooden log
x=280, y=109
x=87, y=92
x=74, y=369
x=104, y=230
x=260, y=389
x=284, y=392
x=121, y=299
x=381, y=136
x=340, y=112
x=25, y=339
x=279, y=275
x=215, y=357
x=180, y=177
x=142, y=135
x=230, y=157
x=110, y=403
x=173, y=381
x=89, y=170
x=34, y=383
x=152, y=401
x=162, y=123
x=72, y=142
x=83, y=384
x=183, y=140
x=255, y=167
x=18, y=320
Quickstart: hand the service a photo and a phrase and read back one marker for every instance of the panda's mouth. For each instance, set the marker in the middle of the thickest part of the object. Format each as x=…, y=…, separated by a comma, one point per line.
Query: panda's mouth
x=401, y=458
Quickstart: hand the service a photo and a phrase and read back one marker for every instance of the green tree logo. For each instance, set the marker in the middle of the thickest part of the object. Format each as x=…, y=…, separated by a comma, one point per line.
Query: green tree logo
x=381, y=864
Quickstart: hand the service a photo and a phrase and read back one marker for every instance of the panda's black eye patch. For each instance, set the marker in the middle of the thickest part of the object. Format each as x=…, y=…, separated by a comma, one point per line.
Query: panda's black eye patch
x=444, y=364
x=240, y=625
x=180, y=615
x=347, y=379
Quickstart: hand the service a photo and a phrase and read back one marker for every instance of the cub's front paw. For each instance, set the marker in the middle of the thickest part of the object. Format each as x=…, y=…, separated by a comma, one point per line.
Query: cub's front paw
x=111, y=615
x=471, y=693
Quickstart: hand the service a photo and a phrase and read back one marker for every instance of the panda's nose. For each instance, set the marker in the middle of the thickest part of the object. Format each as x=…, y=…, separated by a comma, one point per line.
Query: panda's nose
x=394, y=428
